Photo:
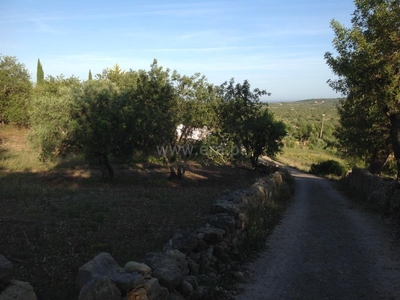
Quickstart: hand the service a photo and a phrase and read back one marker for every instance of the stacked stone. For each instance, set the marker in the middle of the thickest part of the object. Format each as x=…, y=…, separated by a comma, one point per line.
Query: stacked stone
x=12, y=289
x=189, y=257
x=382, y=193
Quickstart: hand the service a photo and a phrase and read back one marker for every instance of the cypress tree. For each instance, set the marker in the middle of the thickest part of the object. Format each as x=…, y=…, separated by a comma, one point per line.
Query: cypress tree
x=39, y=73
x=90, y=75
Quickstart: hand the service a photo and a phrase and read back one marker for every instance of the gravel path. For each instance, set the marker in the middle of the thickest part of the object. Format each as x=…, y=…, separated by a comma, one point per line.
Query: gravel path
x=325, y=248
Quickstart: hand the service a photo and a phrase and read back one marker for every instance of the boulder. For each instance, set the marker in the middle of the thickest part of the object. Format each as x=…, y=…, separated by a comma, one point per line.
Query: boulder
x=6, y=269
x=137, y=294
x=180, y=259
x=225, y=206
x=154, y=290
x=212, y=234
x=105, y=265
x=133, y=266
x=222, y=221
x=183, y=241
x=175, y=296
x=193, y=266
x=165, y=269
x=100, y=288
x=18, y=290
x=192, y=280
x=185, y=289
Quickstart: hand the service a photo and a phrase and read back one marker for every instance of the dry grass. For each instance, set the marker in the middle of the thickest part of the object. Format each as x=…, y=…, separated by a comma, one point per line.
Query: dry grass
x=52, y=221
x=302, y=159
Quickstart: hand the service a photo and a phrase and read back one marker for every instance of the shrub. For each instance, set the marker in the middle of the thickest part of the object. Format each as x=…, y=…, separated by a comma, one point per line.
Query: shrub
x=328, y=167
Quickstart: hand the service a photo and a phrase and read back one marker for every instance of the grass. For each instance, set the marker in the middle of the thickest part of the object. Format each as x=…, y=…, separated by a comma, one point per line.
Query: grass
x=302, y=159
x=53, y=219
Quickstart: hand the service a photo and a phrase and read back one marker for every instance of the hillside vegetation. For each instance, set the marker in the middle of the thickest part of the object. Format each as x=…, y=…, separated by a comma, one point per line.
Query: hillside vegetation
x=310, y=125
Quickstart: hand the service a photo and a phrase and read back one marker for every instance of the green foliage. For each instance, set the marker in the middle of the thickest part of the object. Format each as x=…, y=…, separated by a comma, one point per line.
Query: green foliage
x=156, y=113
x=90, y=77
x=304, y=120
x=102, y=120
x=52, y=123
x=244, y=121
x=367, y=66
x=39, y=73
x=15, y=91
x=328, y=167
x=263, y=135
x=126, y=112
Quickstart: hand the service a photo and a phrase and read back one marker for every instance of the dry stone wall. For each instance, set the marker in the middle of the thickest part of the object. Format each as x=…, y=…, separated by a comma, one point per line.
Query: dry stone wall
x=189, y=259
x=384, y=194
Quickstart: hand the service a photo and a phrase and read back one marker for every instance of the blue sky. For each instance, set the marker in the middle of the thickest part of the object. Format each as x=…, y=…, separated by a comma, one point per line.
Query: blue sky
x=276, y=45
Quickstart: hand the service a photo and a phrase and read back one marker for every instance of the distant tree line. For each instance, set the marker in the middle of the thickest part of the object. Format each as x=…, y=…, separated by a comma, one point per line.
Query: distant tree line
x=120, y=113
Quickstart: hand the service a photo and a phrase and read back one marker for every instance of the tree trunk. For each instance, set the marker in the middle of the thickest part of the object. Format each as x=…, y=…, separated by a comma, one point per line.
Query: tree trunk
x=254, y=160
x=105, y=166
x=395, y=137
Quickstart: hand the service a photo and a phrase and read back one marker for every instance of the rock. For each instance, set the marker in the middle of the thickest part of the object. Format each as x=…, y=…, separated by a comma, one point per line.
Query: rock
x=175, y=296
x=105, y=265
x=201, y=245
x=6, y=269
x=185, y=289
x=133, y=266
x=239, y=276
x=154, y=290
x=165, y=269
x=100, y=288
x=193, y=266
x=222, y=221
x=180, y=259
x=200, y=293
x=137, y=294
x=212, y=234
x=192, y=280
x=18, y=290
x=225, y=206
x=183, y=241
x=200, y=236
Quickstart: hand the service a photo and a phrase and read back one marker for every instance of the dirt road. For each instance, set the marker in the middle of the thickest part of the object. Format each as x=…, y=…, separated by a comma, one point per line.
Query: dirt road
x=325, y=248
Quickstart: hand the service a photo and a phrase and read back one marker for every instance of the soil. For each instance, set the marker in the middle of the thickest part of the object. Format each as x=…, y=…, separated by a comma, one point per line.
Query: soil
x=326, y=248
x=53, y=222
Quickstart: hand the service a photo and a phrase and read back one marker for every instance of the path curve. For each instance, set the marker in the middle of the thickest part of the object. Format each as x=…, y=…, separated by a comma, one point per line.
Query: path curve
x=324, y=248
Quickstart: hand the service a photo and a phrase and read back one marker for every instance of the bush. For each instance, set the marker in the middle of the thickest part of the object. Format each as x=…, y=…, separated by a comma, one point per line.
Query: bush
x=328, y=167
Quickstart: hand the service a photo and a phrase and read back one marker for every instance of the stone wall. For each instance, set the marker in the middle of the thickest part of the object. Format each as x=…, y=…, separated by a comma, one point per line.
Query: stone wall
x=383, y=194
x=190, y=259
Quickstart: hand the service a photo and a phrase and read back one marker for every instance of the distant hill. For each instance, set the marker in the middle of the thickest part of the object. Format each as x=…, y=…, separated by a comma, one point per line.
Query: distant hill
x=310, y=110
